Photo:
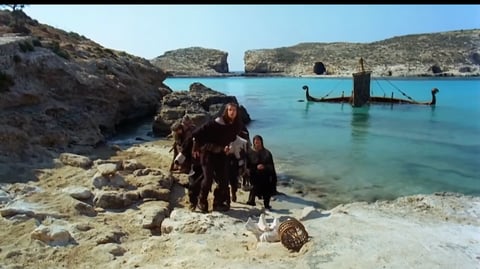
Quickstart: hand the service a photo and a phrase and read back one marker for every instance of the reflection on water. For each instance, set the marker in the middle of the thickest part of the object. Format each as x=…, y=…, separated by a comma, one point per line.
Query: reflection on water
x=360, y=123
x=359, y=133
x=307, y=108
x=432, y=114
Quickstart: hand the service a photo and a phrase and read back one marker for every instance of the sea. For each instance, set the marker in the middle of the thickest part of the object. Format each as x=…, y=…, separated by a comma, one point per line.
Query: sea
x=342, y=154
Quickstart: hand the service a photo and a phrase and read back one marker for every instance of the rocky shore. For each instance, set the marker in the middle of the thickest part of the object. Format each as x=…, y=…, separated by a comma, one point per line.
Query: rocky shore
x=115, y=208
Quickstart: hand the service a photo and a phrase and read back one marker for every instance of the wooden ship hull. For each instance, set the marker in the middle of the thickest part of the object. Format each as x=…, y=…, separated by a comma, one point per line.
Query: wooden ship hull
x=361, y=93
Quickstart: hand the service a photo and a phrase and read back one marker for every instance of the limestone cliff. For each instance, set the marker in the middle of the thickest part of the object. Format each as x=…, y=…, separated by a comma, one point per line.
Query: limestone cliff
x=62, y=91
x=453, y=53
x=194, y=61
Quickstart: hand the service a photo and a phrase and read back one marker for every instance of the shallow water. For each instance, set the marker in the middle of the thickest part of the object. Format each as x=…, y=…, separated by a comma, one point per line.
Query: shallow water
x=346, y=154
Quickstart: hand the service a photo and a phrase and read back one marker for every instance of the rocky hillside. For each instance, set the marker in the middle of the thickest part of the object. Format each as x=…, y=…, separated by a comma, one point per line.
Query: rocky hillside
x=62, y=91
x=194, y=61
x=454, y=53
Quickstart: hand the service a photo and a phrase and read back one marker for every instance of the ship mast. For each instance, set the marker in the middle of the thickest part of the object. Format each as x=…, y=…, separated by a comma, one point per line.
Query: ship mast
x=362, y=68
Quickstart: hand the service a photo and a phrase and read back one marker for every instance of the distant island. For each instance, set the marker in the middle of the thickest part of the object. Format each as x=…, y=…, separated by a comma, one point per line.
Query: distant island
x=453, y=53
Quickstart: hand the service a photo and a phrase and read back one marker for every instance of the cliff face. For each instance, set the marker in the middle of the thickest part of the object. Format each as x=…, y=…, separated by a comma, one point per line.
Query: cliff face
x=445, y=53
x=194, y=61
x=61, y=91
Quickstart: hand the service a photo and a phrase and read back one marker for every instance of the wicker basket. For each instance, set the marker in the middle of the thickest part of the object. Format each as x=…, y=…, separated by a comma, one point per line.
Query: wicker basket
x=292, y=234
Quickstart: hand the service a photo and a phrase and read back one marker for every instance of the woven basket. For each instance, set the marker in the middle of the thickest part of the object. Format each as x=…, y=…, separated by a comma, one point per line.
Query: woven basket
x=292, y=234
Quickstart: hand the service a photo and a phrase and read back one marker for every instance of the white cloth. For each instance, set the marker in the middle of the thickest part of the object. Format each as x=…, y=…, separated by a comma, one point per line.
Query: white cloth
x=180, y=158
x=237, y=145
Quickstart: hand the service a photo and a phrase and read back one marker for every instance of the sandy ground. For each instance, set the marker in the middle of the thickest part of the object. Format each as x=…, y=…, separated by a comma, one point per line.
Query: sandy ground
x=423, y=231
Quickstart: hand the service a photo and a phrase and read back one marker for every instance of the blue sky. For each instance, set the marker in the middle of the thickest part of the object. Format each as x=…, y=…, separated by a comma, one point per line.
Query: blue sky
x=149, y=31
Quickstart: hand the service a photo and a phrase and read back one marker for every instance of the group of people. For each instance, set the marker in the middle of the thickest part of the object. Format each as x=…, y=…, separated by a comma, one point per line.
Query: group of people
x=207, y=153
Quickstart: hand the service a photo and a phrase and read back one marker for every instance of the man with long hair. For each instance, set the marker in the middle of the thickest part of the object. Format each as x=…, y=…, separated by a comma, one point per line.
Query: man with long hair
x=211, y=144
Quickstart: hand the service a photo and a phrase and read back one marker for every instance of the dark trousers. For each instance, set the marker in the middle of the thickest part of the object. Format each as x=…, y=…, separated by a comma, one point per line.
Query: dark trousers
x=232, y=172
x=263, y=187
x=252, y=195
x=214, y=167
x=195, y=183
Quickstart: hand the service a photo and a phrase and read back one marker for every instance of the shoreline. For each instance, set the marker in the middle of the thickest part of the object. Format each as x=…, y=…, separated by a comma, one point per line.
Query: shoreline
x=305, y=188
x=419, y=231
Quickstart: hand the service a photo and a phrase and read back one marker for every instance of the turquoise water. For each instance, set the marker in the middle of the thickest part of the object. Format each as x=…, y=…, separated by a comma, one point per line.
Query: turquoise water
x=346, y=154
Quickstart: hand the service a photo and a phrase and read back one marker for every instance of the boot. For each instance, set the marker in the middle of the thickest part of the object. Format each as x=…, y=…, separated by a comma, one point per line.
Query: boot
x=203, y=204
x=217, y=201
x=221, y=199
x=266, y=203
x=203, y=207
x=221, y=207
x=251, y=199
x=193, y=203
x=234, y=196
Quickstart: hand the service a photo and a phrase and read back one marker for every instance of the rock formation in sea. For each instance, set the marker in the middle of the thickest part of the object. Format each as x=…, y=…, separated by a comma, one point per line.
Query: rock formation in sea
x=193, y=61
x=199, y=102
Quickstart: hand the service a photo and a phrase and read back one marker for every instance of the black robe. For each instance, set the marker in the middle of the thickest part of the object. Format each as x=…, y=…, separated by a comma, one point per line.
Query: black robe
x=264, y=181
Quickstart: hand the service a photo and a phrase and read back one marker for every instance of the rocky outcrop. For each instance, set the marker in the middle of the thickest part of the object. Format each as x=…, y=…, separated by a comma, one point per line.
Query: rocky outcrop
x=453, y=53
x=60, y=91
x=194, y=61
x=199, y=102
